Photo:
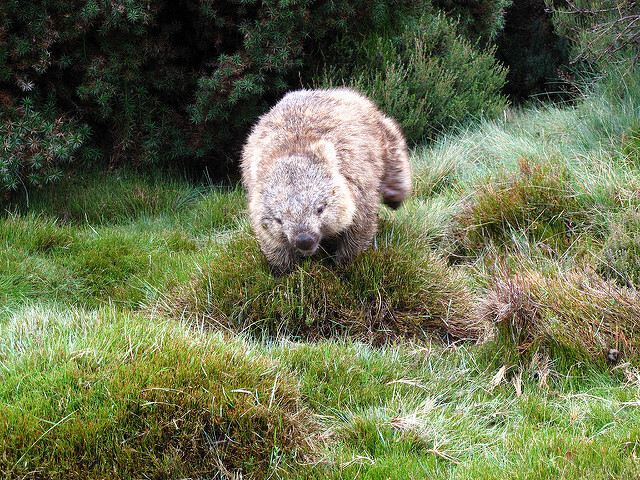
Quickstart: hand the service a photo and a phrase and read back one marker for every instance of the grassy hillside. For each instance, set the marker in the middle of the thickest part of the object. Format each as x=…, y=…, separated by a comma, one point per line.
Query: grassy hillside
x=493, y=331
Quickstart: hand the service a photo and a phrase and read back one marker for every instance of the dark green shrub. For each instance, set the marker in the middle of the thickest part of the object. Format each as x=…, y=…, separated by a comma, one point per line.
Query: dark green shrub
x=601, y=32
x=429, y=78
x=35, y=143
x=532, y=49
x=169, y=82
x=477, y=19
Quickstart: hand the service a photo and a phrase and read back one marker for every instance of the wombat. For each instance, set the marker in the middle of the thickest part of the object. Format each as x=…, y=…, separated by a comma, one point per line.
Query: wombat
x=314, y=167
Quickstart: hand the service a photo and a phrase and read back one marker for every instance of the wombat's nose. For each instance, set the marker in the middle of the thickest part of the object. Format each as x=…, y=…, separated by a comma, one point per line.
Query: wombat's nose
x=305, y=242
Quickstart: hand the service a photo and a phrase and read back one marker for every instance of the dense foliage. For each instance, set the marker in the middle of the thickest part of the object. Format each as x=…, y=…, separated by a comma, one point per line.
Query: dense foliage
x=602, y=31
x=167, y=81
x=532, y=48
x=179, y=83
x=478, y=19
x=429, y=77
x=34, y=143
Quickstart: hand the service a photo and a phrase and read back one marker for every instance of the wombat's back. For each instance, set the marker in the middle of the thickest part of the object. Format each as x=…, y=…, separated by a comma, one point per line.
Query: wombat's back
x=343, y=117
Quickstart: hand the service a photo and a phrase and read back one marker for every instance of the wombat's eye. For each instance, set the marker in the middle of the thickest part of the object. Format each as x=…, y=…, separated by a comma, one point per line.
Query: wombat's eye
x=320, y=209
x=264, y=225
x=279, y=221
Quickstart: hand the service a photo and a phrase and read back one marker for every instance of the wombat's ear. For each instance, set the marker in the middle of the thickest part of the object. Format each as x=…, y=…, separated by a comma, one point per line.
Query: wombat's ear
x=326, y=150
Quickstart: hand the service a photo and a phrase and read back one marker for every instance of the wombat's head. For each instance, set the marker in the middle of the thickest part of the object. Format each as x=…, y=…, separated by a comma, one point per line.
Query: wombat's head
x=305, y=199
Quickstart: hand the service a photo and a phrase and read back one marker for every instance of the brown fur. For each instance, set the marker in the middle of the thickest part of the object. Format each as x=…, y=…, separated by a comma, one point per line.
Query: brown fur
x=314, y=167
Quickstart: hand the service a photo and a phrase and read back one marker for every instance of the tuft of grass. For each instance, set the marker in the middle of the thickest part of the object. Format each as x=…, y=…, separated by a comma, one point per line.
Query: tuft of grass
x=219, y=209
x=397, y=411
x=576, y=316
x=35, y=234
x=30, y=268
x=538, y=203
x=631, y=147
x=107, y=394
x=399, y=288
x=620, y=257
x=107, y=262
x=100, y=198
x=42, y=258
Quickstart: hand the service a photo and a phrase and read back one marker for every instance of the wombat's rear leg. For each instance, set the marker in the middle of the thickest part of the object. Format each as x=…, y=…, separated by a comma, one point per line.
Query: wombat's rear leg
x=396, y=180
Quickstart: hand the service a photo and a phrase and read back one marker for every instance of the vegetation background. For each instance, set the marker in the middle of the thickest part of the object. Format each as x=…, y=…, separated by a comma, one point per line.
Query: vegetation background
x=490, y=332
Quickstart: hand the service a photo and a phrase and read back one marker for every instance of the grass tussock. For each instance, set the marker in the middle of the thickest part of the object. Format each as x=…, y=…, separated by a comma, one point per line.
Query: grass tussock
x=537, y=202
x=107, y=395
x=576, y=316
x=116, y=198
x=36, y=234
x=398, y=289
x=620, y=257
x=631, y=146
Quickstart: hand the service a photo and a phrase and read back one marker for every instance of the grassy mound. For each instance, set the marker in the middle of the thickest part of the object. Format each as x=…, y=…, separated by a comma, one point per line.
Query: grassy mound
x=576, y=316
x=537, y=202
x=109, y=395
x=620, y=258
x=399, y=288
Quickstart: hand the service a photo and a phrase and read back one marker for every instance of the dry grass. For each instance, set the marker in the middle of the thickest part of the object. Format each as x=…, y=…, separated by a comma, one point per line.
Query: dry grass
x=577, y=314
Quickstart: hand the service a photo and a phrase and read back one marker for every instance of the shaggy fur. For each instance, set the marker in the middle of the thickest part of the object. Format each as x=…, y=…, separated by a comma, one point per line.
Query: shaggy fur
x=314, y=167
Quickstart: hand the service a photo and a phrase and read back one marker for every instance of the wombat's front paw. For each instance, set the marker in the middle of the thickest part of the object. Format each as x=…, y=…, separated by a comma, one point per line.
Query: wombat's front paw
x=279, y=271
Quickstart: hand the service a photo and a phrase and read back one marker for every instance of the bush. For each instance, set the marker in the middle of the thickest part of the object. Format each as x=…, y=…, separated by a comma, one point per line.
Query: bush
x=162, y=82
x=429, y=78
x=35, y=143
x=533, y=50
x=601, y=32
x=478, y=19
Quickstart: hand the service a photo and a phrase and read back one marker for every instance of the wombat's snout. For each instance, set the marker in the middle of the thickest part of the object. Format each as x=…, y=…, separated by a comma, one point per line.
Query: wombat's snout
x=306, y=244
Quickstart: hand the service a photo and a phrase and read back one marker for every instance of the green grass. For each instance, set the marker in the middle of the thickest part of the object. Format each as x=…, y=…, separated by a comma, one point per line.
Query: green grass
x=490, y=332
x=101, y=394
x=400, y=288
